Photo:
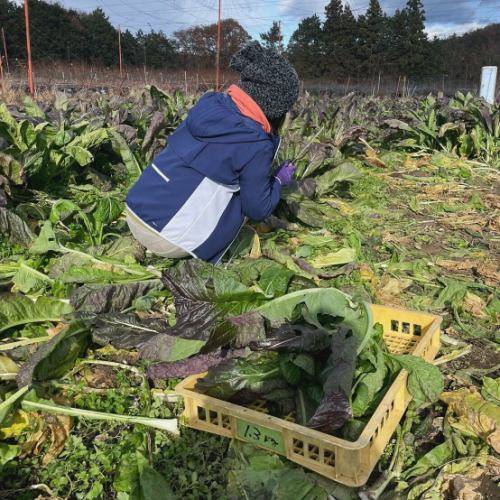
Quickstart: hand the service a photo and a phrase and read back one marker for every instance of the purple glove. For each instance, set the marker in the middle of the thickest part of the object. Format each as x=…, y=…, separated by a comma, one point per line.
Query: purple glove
x=285, y=173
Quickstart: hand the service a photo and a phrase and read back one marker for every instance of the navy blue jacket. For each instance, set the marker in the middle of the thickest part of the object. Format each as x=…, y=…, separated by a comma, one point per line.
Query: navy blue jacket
x=215, y=172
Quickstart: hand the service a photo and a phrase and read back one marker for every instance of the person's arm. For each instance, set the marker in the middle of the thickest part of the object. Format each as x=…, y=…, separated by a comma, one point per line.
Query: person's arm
x=259, y=190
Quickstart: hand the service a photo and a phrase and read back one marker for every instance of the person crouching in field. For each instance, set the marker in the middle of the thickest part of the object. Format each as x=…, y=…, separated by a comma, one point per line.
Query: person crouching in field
x=195, y=196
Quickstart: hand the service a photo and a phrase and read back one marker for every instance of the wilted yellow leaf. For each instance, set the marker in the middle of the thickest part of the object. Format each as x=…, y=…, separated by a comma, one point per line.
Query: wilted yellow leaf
x=8, y=369
x=51, y=332
x=343, y=256
x=373, y=159
x=256, y=252
x=456, y=265
x=366, y=273
x=389, y=290
x=55, y=432
x=490, y=271
x=473, y=414
x=17, y=425
x=475, y=305
x=342, y=206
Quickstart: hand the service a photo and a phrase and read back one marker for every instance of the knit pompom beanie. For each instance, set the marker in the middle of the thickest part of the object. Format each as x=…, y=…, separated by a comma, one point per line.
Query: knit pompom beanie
x=267, y=77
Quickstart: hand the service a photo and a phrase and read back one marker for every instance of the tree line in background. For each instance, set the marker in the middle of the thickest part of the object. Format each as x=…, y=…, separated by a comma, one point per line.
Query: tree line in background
x=341, y=46
x=375, y=43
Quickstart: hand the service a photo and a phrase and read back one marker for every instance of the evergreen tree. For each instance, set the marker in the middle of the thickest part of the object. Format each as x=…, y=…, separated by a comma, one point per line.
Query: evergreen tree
x=273, y=38
x=101, y=38
x=417, y=41
x=339, y=35
x=372, y=39
x=305, y=47
x=331, y=37
x=349, y=34
x=398, y=50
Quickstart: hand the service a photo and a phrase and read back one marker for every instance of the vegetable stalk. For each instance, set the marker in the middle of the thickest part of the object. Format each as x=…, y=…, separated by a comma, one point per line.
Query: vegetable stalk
x=169, y=425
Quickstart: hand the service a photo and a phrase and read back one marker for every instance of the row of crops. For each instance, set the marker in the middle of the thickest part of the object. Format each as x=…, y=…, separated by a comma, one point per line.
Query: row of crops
x=395, y=202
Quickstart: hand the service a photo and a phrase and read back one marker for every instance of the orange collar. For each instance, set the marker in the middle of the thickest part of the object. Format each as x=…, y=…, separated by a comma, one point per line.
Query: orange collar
x=248, y=107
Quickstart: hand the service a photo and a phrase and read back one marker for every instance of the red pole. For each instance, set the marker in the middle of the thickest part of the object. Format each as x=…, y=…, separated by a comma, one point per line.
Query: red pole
x=120, y=51
x=217, y=77
x=28, y=47
x=5, y=51
x=1, y=72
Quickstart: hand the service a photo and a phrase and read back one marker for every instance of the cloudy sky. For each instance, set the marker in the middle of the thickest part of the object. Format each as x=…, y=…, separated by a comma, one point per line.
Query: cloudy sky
x=444, y=17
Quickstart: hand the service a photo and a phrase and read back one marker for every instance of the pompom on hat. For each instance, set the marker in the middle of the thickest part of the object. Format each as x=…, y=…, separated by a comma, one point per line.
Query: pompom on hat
x=267, y=77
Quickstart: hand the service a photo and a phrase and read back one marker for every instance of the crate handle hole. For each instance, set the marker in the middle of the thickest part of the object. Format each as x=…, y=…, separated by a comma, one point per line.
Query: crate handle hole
x=406, y=327
x=417, y=330
x=202, y=414
x=394, y=325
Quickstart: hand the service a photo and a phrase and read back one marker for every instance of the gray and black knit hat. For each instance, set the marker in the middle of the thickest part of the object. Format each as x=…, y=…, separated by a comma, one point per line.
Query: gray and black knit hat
x=267, y=77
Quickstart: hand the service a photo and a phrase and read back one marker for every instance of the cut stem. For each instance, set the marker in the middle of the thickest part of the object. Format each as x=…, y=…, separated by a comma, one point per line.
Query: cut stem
x=169, y=425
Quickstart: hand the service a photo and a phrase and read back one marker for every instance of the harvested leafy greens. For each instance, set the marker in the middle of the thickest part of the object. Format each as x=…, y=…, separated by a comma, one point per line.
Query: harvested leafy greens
x=321, y=359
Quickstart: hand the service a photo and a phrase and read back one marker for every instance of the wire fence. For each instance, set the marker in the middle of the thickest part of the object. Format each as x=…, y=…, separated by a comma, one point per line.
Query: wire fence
x=70, y=78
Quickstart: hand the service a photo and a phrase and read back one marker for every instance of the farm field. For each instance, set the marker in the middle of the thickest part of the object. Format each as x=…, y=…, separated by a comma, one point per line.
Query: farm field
x=396, y=202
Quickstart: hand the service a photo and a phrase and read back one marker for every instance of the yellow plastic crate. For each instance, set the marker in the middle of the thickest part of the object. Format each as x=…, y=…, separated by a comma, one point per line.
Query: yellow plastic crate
x=348, y=462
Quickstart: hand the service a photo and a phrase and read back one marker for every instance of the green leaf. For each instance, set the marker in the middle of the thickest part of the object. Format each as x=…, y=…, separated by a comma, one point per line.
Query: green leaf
x=16, y=310
x=153, y=485
x=8, y=452
x=370, y=382
x=46, y=241
x=28, y=280
x=81, y=155
x=305, y=406
x=107, y=210
x=425, y=381
x=7, y=404
x=346, y=171
x=33, y=109
x=491, y=389
x=435, y=458
x=56, y=357
x=140, y=481
x=121, y=148
x=290, y=371
x=259, y=373
x=11, y=168
x=274, y=281
x=324, y=301
x=304, y=362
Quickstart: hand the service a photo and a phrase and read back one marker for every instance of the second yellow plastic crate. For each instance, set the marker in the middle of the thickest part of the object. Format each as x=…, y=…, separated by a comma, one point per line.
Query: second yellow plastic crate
x=348, y=462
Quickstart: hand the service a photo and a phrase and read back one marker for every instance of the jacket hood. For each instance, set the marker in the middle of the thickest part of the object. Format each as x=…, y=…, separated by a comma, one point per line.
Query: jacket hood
x=215, y=118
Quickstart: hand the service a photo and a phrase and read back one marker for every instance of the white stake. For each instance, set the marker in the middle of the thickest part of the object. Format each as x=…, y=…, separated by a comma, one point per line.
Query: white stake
x=488, y=83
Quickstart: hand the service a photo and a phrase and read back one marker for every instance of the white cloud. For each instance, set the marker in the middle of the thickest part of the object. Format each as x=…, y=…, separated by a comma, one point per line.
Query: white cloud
x=444, y=30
